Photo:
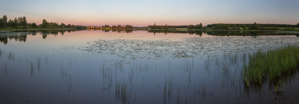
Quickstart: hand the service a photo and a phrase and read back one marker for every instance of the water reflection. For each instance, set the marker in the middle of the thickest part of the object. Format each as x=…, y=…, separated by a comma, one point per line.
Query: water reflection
x=190, y=70
x=34, y=65
x=1, y=52
x=188, y=47
x=22, y=36
x=191, y=87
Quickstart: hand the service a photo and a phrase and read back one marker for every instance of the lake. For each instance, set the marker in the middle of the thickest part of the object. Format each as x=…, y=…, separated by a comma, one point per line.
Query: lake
x=141, y=67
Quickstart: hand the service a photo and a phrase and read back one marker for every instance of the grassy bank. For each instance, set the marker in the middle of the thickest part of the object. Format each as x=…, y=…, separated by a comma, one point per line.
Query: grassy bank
x=271, y=64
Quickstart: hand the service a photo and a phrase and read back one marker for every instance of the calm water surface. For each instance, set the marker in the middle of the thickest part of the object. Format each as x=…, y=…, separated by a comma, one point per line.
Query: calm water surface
x=138, y=67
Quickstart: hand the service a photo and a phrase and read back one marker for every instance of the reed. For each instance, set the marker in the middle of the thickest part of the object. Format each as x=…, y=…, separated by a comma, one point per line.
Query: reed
x=271, y=64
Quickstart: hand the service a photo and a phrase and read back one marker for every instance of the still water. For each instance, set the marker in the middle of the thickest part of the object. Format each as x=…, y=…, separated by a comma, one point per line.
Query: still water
x=137, y=67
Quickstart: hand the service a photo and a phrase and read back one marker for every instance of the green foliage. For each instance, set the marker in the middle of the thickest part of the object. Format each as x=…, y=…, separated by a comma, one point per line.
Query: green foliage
x=10, y=23
x=53, y=24
x=198, y=26
x=191, y=27
x=272, y=64
x=279, y=87
x=69, y=26
x=45, y=24
x=235, y=27
x=62, y=25
x=297, y=24
x=222, y=26
x=254, y=26
x=15, y=23
x=23, y=21
x=244, y=27
x=129, y=27
x=4, y=21
x=155, y=26
x=1, y=23
x=261, y=25
x=33, y=25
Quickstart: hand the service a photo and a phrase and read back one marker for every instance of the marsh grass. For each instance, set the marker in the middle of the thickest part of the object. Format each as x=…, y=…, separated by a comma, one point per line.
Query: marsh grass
x=271, y=64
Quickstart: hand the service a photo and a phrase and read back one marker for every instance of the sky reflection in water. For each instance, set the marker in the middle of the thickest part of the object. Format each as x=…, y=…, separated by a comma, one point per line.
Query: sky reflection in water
x=137, y=67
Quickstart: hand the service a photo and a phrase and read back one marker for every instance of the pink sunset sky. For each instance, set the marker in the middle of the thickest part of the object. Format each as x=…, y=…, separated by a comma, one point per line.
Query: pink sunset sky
x=148, y=12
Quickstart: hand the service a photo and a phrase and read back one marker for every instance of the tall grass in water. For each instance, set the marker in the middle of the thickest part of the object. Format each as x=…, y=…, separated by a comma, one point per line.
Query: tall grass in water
x=271, y=64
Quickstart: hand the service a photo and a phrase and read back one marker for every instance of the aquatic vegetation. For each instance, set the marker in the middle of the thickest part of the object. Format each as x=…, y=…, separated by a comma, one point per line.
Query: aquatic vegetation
x=279, y=88
x=271, y=64
x=122, y=92
x=186, y=47
x=0, y=52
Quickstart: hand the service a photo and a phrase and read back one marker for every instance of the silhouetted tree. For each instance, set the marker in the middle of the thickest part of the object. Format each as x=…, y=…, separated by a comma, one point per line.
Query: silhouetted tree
x=154, y=27
x=191, y=26
x=23, y=22
x=4, y=21
x=222, y=26
x=200, y=26
x=254, y=26
x=113, y=27
x=15, y=23
x=73, y=26
x=33, y=25
x=235, y=27
x=244, y=27
x=1, y=23
x=19, y=21
x=10, y=23
x=69, y=26
x=53, y=24
x=129, y=27
x=44, y=24
x=62, y=25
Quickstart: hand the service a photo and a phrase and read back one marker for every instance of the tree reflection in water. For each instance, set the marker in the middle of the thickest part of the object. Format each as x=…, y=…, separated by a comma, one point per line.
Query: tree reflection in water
x=194, y=70
x=21, y=36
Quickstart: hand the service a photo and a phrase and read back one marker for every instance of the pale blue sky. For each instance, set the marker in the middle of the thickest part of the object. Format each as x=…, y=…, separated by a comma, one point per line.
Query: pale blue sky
x=148, y=12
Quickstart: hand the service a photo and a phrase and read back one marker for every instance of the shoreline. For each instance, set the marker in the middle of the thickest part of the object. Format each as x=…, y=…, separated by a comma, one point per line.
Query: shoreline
x=153, y=30
x=35, y=29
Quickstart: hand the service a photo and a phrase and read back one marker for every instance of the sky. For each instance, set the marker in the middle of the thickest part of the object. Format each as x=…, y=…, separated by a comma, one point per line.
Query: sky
x=149, y=12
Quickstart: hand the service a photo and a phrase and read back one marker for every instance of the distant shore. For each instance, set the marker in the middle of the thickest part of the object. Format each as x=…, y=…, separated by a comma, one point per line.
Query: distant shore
x=35, y=29
x=146, y=29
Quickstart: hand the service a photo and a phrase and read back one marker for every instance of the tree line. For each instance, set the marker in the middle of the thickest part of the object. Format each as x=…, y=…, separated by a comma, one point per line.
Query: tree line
x=17, y=22
x=249, y=26
x=197, y=26
x=21, y=22
x=118, y=27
